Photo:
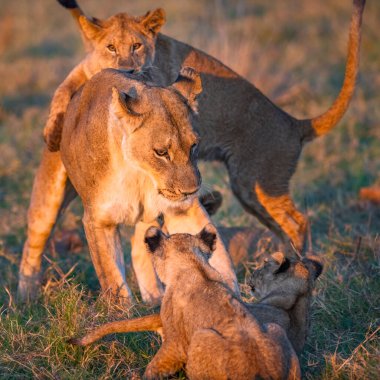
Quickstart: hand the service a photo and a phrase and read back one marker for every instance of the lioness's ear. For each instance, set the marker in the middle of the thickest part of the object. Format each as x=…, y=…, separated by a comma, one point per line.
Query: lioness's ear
x=211, y=201
x=189, y=85
x=153, y=20
x=279, y=262
x=122, y=106
x=208, y=236
x=154, y=239
x=90, y=29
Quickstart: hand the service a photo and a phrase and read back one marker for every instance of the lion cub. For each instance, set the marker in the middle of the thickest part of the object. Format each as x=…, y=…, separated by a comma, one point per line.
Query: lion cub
x=206, y=327
x=284, y=289
x=120, y=42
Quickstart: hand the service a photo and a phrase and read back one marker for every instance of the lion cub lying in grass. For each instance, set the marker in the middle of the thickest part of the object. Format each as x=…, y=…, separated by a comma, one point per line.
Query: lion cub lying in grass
x=206, y=327
x=284, y=288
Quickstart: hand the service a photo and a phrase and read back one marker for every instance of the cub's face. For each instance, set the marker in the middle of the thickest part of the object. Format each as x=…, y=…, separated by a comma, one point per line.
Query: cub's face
x=179, y=252
x=158, y=137
x=281, y=274
x=122, y=41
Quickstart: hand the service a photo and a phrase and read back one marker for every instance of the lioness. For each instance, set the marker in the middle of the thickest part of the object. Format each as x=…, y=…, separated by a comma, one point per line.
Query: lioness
x=129, y=151
x=259, y=143
x=206, y=328
x=282, y=286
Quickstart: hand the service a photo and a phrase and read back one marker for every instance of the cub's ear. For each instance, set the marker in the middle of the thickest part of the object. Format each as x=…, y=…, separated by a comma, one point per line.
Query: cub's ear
x=122, y=106
x=153, y=20
x=314, y=264
x=189, y=85
x=211, y=201
x=154, y=239
x=279, y=262
x=90, y=29
x=208, y=236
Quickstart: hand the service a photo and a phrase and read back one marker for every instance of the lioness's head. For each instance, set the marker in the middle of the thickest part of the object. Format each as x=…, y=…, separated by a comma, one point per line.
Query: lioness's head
x=284, y=275
x=157, y=135
x=122, y=41
x=176, y=252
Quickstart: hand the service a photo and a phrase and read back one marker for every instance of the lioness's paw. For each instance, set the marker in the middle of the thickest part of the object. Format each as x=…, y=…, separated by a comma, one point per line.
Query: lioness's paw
x=53, y=132
x=28, y=288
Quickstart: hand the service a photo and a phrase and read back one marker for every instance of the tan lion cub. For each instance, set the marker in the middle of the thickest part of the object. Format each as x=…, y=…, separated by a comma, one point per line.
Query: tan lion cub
x=105, y=51
x=207, y=329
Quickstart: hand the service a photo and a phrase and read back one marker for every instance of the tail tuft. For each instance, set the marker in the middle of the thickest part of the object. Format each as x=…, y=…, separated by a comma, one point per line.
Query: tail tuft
x=359, y=3
x=69, y=4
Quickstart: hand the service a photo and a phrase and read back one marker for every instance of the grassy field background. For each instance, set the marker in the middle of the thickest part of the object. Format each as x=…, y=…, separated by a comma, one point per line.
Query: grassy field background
x=294, y=51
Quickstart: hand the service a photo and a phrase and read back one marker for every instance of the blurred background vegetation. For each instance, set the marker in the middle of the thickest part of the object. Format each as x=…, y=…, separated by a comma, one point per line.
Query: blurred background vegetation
x=294, y=51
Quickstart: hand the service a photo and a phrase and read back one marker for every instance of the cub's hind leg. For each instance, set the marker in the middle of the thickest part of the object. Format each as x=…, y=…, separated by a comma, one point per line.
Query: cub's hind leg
x=206, y=356
x=275, y=210
x=168, y=360
x=283, y=211
x=48, y=196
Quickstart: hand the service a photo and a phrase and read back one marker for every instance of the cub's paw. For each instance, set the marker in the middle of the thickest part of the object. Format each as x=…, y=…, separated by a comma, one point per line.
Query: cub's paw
x=151, y=374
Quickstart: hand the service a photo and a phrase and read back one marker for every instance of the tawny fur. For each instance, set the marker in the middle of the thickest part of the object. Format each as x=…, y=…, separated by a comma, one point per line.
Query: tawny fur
x=207, y=329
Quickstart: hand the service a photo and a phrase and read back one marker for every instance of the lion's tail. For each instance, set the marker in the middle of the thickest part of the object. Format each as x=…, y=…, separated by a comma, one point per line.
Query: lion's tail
x=147, y=323
x=323, y=123
x=73, y=8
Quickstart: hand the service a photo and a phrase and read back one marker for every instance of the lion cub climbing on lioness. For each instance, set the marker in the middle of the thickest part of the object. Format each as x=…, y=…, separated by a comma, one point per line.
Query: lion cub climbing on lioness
x=120, y=42
x=207, y=329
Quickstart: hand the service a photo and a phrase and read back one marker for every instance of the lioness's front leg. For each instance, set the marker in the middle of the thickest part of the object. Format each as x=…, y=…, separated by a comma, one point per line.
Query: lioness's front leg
x=107, y=256
x=58, y=106
x=150, y=288
x=191, y=221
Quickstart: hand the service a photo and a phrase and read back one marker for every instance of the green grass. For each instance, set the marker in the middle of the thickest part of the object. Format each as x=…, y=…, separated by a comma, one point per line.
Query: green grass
x=294, y=52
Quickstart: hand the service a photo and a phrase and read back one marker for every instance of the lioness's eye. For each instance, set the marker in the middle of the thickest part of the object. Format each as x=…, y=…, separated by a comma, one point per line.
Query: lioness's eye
x=136, y=46
x=111, y=48
x=162, y=153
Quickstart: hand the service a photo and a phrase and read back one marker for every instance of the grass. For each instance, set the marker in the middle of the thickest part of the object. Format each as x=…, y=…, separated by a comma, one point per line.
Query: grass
x=294, y=52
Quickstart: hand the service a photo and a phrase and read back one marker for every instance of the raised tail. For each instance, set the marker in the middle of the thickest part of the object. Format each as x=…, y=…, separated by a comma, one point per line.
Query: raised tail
x=322, y=124
x=73, y=8
x=148, y=323
x=76, y=12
